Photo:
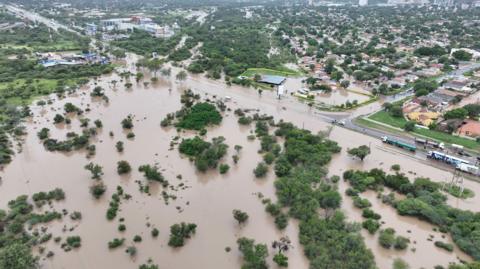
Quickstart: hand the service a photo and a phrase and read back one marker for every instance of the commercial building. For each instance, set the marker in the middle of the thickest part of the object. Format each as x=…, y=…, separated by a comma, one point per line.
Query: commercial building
x=140, y=23
x=362, y=2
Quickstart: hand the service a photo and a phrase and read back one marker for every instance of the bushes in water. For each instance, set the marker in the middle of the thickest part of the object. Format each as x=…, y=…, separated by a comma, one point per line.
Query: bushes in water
x=371, y=225
x=40, y=198
x=328, y=241
x=74, y=241
x=98, y=189
x=254, y=255
x=199, y=116
x=205, y=154
x=75, y=142
x=425, y=201
x=115, y=243
x=153, y=174
x=445, y=246
x=123, y=167
x=261, y=170
x=180, y=232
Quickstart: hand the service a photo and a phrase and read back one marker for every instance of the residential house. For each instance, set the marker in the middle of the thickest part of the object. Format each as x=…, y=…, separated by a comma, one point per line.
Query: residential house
x=469, y=128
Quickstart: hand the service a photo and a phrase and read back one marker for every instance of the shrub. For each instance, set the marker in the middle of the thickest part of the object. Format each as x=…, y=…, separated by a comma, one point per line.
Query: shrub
x=155, y=232
x=98, y=189
x=119, y=146
x=240, y=216
x=269, y=158
x=261, y=170
x=123, y=167
x=245, y=120
x=401, y=242
x=151, y=173
x=370, y=214
x=387, y=238
x=180, y=232
x=446, y=246
x=371, y=225
x=223, y=168
x=74, y=241
x=127, y=123
x=115, y=243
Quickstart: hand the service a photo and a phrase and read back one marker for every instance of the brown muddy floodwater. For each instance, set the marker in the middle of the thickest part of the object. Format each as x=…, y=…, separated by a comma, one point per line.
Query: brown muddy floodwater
x=210, y=197
x=337, y=96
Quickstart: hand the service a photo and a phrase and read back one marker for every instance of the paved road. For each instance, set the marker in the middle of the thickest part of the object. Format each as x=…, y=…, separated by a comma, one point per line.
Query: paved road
x=25, y=14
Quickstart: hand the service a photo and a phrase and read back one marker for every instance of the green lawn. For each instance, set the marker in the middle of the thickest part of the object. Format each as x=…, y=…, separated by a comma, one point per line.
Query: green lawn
x=386, y=118
x=265, y=71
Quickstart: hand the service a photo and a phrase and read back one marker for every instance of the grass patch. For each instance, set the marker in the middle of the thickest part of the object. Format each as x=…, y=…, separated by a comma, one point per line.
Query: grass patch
x=385, y=117
x=285, y=72
x=43, y=86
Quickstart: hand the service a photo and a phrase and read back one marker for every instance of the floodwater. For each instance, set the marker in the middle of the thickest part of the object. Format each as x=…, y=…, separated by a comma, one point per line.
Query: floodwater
x=208, y=199
x=384, y=156
x=337, y=96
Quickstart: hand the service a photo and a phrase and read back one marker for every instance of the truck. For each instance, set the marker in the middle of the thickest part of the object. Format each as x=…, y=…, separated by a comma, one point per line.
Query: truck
x=468, y=168
x=399, y=143
x=429, y=143
x=457, y=147
x=448, y=159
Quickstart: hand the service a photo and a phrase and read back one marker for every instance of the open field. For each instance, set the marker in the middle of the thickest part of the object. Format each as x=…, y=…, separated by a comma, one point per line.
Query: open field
x=265, y=71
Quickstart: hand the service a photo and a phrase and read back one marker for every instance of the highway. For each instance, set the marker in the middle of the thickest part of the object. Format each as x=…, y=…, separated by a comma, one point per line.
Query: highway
x=25, y=14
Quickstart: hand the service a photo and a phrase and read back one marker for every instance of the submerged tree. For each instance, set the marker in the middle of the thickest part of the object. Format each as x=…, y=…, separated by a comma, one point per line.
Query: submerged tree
x=240, y=216
x=360, y=152
x=95, y=169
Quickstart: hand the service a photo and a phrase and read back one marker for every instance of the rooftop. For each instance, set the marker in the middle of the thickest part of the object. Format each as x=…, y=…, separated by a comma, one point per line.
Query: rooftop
x=274, y=80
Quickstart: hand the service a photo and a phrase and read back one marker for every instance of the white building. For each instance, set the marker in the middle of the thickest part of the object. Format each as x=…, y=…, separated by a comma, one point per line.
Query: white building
x=145, y=24
x=362, y=2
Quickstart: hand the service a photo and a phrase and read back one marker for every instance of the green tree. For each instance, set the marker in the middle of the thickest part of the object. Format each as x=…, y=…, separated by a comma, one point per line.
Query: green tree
x=409, y=126
x=360, y=152
x=181, y=76
x=95, y=169
x=123, y=167
x=281, y=260
x=17, y=256
x=240, y=216
x=254, y=255
x=400, y=264
x=457, y=113
x=462, y=55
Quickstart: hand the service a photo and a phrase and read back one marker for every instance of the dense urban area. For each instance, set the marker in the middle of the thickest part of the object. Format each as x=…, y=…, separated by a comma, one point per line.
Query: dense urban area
x=240, y=134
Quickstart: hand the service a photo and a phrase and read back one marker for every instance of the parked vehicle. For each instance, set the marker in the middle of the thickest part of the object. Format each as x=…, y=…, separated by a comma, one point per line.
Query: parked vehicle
x=468, y=168
x=448, y=159
x=430, y=143
x=457, y=147
x=399, y=144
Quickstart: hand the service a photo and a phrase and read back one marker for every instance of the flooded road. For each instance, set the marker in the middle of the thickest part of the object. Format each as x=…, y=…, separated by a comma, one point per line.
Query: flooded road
x=208, y=198
x=337, y=96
